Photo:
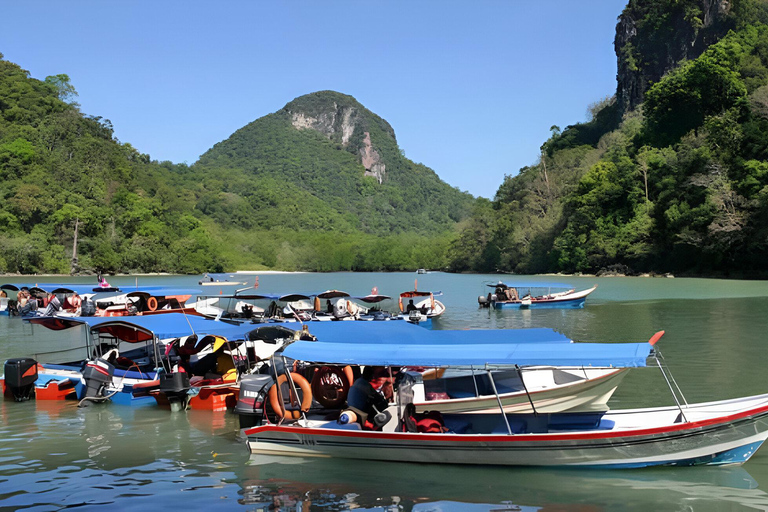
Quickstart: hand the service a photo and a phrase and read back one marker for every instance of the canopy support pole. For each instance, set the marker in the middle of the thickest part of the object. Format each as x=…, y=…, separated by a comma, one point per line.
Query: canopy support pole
x=474, y=380
x=674, y=395
x=498, y=399
x=520, y=373
x=293, y=388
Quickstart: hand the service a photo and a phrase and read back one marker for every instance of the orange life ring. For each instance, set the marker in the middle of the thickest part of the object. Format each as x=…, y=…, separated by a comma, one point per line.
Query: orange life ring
x=277, y=404
x=151, y=303
x=331, y=384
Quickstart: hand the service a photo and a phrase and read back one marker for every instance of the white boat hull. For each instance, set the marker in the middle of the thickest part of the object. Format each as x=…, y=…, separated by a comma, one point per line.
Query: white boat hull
x=716, y=433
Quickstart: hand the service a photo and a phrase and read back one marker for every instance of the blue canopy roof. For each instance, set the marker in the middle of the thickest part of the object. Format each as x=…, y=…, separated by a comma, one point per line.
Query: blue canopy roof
x=619, y=355
x=402, y=332
x=174, y=325
x=531, y=284
x=59, y=287
x=166, y=325
x=161, y=291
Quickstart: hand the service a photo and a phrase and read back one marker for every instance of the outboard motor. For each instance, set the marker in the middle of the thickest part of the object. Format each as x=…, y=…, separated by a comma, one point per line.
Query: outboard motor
x=20, y=377
x=253, y=394
x=175, y=386
x=87, y=307
x=484, y=301
x=97, y=375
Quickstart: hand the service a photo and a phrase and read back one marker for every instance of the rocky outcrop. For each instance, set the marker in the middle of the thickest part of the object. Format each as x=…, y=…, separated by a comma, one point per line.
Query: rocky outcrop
x=654, y=36
x=372, y=160
x=343, y=121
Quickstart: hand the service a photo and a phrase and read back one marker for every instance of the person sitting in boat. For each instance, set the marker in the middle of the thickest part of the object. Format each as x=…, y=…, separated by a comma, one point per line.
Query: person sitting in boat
x=102, y=282
x=511, y=294
x=26, y=304
x=410, y=307
x=367, y=396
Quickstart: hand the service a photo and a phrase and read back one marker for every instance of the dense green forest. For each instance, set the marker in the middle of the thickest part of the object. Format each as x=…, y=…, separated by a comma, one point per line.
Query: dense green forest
x=668, y=175
x=673, y=179
x=271, y=196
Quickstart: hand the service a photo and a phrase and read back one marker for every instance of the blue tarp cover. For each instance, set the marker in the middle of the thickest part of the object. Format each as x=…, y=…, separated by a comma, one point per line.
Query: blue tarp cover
x=619, y=355
x=402, y=332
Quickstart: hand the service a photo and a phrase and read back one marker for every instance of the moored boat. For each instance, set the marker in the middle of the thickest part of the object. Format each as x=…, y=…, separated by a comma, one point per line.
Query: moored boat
x=420, y=307
x=723, y=432
x=526, y=295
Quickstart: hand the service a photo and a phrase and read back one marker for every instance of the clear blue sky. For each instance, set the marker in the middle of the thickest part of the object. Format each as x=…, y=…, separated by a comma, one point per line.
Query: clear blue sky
x=471, y=88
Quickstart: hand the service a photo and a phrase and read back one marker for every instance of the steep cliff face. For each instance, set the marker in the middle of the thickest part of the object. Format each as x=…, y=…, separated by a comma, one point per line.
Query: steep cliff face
x=653, y=37
x=342, y=119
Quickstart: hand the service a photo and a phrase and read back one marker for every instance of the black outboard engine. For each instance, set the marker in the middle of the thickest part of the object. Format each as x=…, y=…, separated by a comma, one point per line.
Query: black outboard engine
x=253, y=394
x=87, y=307
x=20, y=377
x=175, y=386
x=97, y=375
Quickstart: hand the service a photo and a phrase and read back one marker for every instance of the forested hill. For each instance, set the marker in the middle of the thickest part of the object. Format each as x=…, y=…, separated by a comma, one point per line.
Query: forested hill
x=670, y=174
x=319, y=185
x=325, y=162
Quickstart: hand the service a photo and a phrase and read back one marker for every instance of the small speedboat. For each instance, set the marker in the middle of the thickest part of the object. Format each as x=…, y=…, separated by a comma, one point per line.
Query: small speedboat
x=212, y=279
x=713, y=433
x=533, y=295
x=420, y=307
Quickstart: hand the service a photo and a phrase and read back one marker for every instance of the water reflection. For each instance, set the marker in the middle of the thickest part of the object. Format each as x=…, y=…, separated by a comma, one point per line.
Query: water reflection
x=309, y=484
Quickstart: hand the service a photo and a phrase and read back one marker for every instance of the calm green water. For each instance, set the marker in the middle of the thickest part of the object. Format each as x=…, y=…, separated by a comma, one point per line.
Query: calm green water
x=53, y=455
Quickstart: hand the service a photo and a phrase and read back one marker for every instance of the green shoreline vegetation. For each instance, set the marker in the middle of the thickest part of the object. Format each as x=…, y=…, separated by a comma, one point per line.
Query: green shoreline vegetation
x=674, y=179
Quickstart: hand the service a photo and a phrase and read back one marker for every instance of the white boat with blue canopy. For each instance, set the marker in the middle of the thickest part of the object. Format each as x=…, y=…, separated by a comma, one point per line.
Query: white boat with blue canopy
x=713, y=433
x=533, y=295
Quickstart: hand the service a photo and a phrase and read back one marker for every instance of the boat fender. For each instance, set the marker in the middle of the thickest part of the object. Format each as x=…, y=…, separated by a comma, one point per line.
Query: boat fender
x=277, y=404
x=152, y=304
x=347, y=416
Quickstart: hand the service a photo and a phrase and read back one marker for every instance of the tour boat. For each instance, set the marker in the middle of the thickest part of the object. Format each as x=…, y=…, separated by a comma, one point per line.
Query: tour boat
x=525, y=295
x=722, y=432
x=420, y=307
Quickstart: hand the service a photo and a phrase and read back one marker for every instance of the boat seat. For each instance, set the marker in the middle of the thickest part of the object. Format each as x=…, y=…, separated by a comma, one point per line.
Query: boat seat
x=341, y=426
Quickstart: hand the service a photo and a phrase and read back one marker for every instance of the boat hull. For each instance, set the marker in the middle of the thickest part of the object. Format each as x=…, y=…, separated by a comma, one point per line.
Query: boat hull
x=712, y=439
x=572, y=303
x=571, y=300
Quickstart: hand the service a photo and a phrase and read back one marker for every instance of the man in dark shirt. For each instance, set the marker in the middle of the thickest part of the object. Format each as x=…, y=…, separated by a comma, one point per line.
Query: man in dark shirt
x=363, y=398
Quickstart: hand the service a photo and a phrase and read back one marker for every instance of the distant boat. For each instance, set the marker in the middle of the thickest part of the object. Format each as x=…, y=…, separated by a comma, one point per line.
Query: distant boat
x=422, y=271
x=533, y=295
x=219, y=280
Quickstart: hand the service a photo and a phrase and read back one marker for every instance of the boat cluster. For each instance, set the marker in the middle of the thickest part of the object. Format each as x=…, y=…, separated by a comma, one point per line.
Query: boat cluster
x=304, y=384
